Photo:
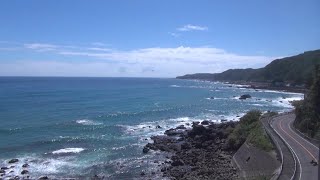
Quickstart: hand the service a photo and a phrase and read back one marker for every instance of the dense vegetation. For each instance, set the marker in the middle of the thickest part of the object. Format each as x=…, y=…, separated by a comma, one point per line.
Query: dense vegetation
x=308, y=110
x=296, y=69
x=249, y=129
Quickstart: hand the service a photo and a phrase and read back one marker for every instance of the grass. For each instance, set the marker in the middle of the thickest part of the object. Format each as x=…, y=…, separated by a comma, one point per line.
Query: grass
x=250, y=129
x=259, y=138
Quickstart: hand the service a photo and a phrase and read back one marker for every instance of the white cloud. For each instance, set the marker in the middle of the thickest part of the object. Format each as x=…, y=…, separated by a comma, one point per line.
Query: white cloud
x=41, y=47
x=100, y=49
x=190, y=27
x=144, y=62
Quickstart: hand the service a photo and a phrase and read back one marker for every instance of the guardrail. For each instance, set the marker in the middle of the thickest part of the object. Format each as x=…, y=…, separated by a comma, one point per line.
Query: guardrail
x=294, y=155
x=279, y=170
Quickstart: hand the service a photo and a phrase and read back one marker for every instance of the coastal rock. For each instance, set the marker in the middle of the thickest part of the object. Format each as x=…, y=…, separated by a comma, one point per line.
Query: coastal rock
x=4, y=168
x=173, y=132
x=13, y=161
x=24, y=172
x=196, y=153
x=158, y=127
x=197, y=130
x=245, y=96
x=205, y=122
x=195, y=123
x=145, y=150
x=181, y=127
x=25, y=165
x=211, y=97
x=2, y=171
x=43, y=178
x=176, y=161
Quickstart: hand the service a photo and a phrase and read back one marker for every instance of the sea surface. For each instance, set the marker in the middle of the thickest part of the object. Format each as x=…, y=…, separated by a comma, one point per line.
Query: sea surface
x=79, y=127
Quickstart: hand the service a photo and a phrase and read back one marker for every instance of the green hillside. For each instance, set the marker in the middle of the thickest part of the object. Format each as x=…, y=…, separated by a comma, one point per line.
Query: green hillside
x=295, y=69
x=308, y=110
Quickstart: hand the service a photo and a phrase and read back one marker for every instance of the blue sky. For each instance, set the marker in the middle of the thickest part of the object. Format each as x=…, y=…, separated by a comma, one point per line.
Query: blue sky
x=148, y=38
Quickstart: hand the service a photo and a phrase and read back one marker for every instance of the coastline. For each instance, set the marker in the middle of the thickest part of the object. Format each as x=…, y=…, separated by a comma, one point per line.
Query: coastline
x=143, y=128
x=258, y=86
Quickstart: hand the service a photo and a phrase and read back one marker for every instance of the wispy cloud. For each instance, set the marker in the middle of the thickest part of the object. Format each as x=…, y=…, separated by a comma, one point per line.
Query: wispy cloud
x=190, y=27
x=41, y=46
x=174, y=34
x=99, y=49
x=98, y=44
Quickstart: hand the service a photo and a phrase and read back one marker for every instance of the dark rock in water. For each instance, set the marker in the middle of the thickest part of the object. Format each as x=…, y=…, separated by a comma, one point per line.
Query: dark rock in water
x=13, y=161
x=25, y=165
x=43, y=178
x=211, y=97
x=158, y=127
x=4, y=168
x=245, y=96
x=195, y=123
x=142, y=173
x=145, y=150
x=223, y=120
x=2, y=171
x=181, y=127
x=24, y=172
x=205, y=122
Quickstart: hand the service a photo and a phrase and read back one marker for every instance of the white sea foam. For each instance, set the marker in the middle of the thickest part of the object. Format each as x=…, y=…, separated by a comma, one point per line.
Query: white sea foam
x=40, y=166
x=281, y=92
x=68, y=150
x=216, y=98
x=87, y=122
x=174, y=85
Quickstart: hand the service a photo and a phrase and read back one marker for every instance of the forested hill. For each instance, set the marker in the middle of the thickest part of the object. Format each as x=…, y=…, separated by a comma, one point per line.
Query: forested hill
x=295, y=69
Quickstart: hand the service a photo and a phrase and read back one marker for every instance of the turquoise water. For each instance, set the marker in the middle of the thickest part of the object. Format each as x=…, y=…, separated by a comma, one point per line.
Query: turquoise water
x=74, y=127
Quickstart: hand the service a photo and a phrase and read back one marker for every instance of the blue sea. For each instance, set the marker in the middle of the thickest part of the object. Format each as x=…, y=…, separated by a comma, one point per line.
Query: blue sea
x=79, y=127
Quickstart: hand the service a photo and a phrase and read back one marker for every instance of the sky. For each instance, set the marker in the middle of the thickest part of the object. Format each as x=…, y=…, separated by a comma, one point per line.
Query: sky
x=149, y=38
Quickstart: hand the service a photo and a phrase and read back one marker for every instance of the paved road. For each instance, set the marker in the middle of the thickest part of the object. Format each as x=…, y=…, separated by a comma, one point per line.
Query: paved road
x=285, y=154
x=304, y=150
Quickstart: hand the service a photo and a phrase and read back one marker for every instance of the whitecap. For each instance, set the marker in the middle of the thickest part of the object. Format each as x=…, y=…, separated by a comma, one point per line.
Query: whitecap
x=174, y=85
x=68, y=150
x=87, y=122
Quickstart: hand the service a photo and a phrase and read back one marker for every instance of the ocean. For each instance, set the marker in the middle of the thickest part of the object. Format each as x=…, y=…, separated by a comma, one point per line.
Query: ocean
x=80, y=127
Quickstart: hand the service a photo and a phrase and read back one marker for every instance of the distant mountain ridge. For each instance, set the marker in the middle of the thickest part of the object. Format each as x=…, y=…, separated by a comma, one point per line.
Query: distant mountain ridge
x=295, y=69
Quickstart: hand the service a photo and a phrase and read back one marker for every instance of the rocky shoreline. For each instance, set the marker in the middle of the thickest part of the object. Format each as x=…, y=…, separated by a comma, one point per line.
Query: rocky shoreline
x=200, y=152
x=6, y=171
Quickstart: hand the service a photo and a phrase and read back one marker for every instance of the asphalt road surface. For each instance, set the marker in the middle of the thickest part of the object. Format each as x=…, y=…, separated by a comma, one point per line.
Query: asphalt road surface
x=304, y=150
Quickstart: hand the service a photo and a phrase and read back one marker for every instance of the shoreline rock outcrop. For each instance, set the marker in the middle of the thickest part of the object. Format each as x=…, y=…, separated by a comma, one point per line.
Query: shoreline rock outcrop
x=197, y=153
